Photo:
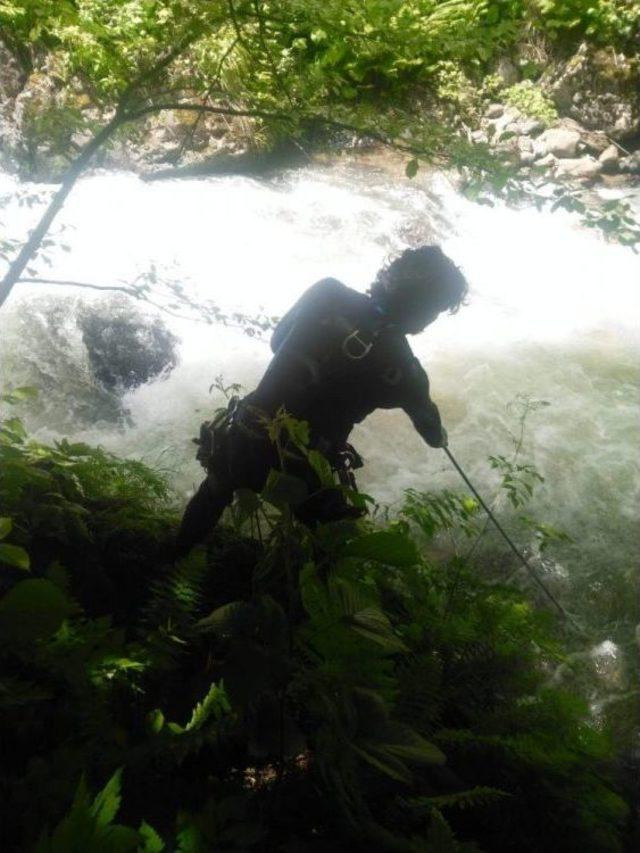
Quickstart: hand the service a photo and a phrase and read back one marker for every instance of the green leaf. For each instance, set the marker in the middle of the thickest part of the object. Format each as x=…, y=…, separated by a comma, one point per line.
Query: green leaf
x=392, y=548
x=190, y=840
x=155, y=721
x=152, y=843
x=374, y=625
x=284, y=490
x=15, y=427
x=386, y=764
x=417, y=750
x=107, y=802
x=18, y=395
x=411, y=169
x=440, y=837
x=322, y=468
x=248, y=503
x=14, y=555
x=33, y=610
x=6, y=524
x=220, y=620
x=215, y=704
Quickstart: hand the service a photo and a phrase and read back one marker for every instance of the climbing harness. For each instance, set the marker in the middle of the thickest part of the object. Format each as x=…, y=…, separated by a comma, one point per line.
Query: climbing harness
x=515, y=550
x=355, y=345
x=348, y=460
x=362, y=348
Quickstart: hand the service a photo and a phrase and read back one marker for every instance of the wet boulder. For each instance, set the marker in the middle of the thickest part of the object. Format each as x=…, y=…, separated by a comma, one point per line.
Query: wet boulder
x=609, y=159
x=125, y=347
x=585, y=168
x=559, y=141
x=630, y=165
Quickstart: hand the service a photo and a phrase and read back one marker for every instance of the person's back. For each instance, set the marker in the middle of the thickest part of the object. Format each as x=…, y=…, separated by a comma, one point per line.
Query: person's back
x=337, y=360
x=338, y=356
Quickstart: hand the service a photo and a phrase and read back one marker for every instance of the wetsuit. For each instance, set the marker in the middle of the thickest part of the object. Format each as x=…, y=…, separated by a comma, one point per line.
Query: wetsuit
x=336, y=360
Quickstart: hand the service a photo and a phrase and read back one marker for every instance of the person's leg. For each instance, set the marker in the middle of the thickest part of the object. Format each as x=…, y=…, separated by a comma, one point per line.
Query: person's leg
x=202, y=513
x=324, y=503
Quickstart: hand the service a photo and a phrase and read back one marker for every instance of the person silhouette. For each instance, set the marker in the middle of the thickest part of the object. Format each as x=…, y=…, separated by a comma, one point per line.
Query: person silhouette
x=338, y=355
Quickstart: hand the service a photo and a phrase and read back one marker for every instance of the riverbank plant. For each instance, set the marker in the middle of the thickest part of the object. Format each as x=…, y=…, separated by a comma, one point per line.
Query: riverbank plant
x=285, y=688
x=531, y=101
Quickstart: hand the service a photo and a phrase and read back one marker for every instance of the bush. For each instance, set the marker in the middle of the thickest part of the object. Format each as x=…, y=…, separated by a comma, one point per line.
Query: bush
x=307, y=689
x=531, y=101
x=604, y=22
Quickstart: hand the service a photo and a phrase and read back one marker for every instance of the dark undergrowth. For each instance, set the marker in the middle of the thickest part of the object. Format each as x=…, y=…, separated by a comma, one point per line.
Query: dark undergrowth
x=282, y=689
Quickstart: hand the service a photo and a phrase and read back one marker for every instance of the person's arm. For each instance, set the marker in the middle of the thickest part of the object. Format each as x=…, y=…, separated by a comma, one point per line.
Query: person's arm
x=421, y=409
x=316, y=301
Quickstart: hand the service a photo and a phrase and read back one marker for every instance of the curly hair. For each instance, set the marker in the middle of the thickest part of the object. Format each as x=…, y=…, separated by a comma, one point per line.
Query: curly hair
x=425, y=272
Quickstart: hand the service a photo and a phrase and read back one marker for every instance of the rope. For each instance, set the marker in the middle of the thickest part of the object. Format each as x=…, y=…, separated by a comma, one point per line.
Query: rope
x=515, y=550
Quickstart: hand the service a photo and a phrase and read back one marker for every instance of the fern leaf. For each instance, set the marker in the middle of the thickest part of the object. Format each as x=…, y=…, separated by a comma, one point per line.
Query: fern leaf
x=107, y=802
x=214, y=703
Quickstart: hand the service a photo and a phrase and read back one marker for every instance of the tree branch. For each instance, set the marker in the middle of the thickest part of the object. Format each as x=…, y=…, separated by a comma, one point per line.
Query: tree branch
x=86, y=284
x=281, y=116
x=135, y=293
x=36, y=237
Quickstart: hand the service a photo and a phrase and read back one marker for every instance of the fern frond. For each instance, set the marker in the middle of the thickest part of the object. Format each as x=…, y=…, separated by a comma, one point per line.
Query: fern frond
x=481, y=795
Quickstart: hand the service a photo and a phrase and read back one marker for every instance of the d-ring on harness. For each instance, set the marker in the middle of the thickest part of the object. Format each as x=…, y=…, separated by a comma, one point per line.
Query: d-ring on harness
x=354, y=338
x=353, y=346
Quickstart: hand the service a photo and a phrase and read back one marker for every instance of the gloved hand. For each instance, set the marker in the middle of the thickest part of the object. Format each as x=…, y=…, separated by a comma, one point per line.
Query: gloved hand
x=444, y=441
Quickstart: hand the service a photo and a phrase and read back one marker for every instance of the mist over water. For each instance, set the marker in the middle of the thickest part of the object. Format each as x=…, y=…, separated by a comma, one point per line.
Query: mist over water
x=553, y=313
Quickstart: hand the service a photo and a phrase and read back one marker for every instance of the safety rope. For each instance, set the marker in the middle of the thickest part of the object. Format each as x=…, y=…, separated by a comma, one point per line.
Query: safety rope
x=515, y=550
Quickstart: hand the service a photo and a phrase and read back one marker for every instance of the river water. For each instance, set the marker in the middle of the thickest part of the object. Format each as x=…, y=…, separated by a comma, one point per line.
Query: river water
x=553, y=314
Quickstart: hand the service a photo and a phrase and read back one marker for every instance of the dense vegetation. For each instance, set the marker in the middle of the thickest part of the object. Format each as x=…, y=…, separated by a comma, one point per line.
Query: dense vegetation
x=296, y=64
x=286, y=689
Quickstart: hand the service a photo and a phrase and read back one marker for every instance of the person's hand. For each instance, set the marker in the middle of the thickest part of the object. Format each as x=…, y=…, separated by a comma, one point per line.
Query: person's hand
x=444, y=441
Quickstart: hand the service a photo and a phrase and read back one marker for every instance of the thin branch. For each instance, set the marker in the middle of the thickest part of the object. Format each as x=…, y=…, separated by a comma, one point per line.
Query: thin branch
x=36, y=237
x=222, y=61
x=154, y=71
x=135, y=293
x=265, y=46
x=67, y=283
x=236, y=24
x=281, y=116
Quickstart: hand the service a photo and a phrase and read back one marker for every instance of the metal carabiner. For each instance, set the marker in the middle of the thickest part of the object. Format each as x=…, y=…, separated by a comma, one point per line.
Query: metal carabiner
x=365, y=347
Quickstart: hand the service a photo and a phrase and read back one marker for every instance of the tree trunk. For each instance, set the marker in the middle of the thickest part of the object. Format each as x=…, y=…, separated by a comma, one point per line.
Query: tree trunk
x=56, y=204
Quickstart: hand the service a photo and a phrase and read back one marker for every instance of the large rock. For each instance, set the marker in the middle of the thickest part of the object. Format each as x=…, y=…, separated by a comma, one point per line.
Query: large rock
x=608, y=159
x=499, y=124
x=584, y=168
x=507, y=71
x=630, y=165
x=527, y=158
x=12, y=80
x=595, y=141
x=558, y=141
x=12, y=77
x=125, y=348
x=494, y=111
x=546, y=161
x=531, y=126
x=598, y=88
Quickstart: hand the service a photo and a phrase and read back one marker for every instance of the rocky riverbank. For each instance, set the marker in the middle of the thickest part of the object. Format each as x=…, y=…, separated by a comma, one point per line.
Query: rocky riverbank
x=578, y=122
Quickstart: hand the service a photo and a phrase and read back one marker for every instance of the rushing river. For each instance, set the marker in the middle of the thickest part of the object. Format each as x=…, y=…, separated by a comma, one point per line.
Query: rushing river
x=553, y=313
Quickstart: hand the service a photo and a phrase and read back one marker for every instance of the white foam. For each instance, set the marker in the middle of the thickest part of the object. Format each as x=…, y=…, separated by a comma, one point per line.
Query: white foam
x=553, y=313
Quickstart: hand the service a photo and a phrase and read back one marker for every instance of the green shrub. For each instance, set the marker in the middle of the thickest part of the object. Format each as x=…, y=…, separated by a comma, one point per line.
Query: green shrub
x=605, y=22
x=531, y=101
x=306, y=687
